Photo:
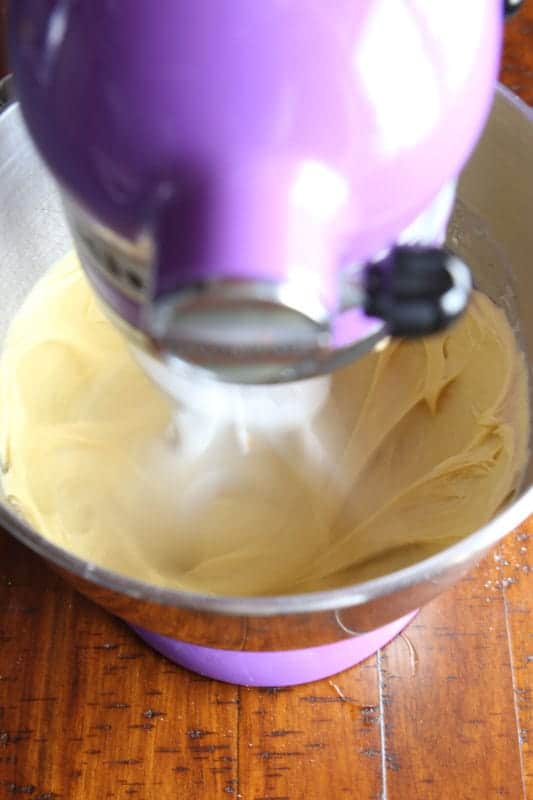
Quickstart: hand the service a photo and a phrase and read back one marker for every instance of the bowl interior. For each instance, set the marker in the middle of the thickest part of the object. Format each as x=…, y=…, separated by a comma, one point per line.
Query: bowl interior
x=491, y=229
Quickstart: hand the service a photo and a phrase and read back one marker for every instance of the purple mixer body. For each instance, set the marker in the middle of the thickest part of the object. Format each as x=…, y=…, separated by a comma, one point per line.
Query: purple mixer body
x=278, y=667
x=252, y=139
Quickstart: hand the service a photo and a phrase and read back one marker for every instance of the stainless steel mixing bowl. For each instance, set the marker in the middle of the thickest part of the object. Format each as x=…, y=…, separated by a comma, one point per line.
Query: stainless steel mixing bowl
x=492, y=230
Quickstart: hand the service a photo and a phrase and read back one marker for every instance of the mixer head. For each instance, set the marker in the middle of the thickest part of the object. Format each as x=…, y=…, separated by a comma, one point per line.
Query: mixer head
x=247, y=330
x=261, y=189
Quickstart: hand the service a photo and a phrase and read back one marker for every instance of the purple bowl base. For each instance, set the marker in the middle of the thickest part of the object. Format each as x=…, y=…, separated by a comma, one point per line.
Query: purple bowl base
x=279, y=668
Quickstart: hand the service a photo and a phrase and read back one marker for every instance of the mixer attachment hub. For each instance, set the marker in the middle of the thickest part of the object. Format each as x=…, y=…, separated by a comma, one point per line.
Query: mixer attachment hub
x=417, y=290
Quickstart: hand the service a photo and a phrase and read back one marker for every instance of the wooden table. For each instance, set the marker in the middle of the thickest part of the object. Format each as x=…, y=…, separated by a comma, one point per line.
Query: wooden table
x=443, y=713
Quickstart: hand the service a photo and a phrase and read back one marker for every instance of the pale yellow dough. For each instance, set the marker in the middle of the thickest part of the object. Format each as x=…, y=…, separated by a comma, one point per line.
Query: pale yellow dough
x=416, y=447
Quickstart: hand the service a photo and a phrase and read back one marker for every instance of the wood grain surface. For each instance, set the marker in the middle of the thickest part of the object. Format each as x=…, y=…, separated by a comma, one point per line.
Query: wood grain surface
x=444, y=713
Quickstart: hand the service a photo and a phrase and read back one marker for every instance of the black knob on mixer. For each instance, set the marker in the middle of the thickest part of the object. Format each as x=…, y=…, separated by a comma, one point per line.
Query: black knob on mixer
x=417, y=290
x=511, y=6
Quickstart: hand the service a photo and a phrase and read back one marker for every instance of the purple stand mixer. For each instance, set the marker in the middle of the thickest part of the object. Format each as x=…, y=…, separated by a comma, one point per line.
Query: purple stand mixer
x=259, y=192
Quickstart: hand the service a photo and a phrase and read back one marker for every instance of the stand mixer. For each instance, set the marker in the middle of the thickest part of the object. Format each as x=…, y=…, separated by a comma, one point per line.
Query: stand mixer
x=259, y=193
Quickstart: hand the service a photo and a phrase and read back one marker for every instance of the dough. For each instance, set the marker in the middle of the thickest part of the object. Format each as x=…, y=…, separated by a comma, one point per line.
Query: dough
x=414, y=447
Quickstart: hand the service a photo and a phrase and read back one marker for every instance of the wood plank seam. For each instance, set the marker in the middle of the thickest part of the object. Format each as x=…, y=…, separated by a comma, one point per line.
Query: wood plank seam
x=382, y=727
x=514, y=685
